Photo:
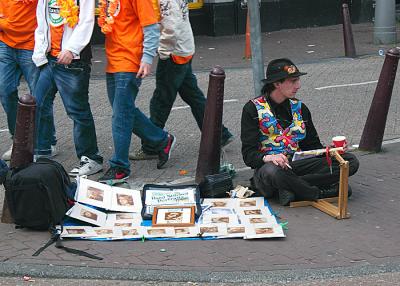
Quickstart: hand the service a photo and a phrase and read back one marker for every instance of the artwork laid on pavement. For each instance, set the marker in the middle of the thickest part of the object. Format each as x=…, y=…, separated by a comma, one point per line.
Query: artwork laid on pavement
x=248, y=218
x=173, y=216
x=154, y=196
x=108, y=197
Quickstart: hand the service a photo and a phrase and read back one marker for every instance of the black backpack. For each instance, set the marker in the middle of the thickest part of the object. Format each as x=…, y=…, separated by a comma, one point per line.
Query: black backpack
x=37, y=194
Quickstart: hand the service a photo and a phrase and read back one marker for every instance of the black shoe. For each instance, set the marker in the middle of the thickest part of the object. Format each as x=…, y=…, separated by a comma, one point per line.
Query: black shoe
x=226, y=140
x=165, y=153
x=114, y=175
x=332, y=191
x=285, y=197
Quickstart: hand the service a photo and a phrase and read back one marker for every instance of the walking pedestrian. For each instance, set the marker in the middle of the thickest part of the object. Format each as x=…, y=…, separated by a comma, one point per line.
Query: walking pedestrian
x=132, y=37
x=174, y=73
x=63, y=54
x=17, y=27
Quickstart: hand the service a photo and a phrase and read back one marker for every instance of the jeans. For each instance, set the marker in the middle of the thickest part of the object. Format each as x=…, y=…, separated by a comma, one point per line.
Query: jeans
x=13, y=64
x=72, y=82
x=305, y=177
x=171, y=79
x=122, y=90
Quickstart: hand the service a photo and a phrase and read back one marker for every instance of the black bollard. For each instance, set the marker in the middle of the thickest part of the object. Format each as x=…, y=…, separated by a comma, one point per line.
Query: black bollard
x=372, y=136
x=349, y=48
x=208, y=162
x=22, y=151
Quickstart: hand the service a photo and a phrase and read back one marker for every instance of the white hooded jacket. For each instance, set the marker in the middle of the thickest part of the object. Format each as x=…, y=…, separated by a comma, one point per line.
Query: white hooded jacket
x=74, y=39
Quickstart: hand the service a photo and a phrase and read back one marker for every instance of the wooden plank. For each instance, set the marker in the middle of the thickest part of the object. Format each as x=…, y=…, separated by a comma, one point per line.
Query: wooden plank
x=301, y=204
x=338, y=157
x=343, y=189
x=329, y=200
x=327, y=208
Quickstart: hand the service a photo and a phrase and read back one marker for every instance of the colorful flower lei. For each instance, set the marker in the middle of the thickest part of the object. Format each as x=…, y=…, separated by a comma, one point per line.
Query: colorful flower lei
x=69, y=11
x=107, y=10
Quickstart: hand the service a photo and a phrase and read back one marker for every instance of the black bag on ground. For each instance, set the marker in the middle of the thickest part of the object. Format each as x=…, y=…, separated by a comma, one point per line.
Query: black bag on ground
x=36, y=194
x=216, y=186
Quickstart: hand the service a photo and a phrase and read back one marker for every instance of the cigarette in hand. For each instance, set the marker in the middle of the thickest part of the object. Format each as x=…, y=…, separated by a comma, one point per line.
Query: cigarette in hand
x=287, y=165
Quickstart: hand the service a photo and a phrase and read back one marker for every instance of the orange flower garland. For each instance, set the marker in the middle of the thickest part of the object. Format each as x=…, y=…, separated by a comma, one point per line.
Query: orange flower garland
x=107, y=10
x=69, y=11
x=26, y=1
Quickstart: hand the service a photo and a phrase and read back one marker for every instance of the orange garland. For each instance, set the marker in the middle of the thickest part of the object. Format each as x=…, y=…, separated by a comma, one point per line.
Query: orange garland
x=107, y=10
x=69, y=11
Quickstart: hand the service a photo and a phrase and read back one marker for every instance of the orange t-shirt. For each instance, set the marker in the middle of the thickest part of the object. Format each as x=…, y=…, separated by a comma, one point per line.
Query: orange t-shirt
x=18, y=23
x=124, y=45
x=56, y=23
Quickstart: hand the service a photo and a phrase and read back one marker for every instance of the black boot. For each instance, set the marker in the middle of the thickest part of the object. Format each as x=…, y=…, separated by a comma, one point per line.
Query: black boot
x=285, y=197
x=332, y=191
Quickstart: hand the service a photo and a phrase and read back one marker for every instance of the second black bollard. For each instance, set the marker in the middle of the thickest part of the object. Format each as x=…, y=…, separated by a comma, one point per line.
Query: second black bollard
x=208, y=161
x=349, y=48
x=372, y=136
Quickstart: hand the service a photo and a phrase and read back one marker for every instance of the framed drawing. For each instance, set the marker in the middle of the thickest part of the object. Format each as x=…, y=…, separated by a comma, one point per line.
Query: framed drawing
x=174, y=216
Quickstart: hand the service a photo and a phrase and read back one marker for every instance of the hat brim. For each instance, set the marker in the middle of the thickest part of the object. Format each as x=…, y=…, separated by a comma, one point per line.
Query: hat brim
x=275, y=79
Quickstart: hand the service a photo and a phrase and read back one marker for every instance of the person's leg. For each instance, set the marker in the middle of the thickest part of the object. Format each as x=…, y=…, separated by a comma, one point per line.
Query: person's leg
x=44, y=92
x=9, y=80
x=72, y=81
x=194, y=97
x=122, y=91
x=31, y=75
x=169, y=78
x=316, y=170
x=271, y=177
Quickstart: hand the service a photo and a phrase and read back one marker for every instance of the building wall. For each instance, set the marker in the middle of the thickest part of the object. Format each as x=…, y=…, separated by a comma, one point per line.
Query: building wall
x=228, y=18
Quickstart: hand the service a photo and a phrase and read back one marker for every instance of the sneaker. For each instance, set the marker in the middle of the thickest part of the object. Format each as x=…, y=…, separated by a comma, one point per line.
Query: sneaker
x=7, y=155
x=332, y=191
x=53, y=153
x=114, y=175
x=165, y=153
x=285, y=197
x=86, y=167
x=141, y=155
x=227, y=140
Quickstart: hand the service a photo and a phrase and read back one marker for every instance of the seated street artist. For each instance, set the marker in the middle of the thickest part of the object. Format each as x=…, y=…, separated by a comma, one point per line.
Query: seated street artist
x=273, y=127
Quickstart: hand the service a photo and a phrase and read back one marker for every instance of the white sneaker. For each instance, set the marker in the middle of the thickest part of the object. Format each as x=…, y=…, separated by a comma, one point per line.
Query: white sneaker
x=7, y=155
x=86, y=167
x=54, y=152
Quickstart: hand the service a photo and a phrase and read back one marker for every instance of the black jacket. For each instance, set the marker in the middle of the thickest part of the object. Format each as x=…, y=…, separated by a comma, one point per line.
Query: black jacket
x=250, y=132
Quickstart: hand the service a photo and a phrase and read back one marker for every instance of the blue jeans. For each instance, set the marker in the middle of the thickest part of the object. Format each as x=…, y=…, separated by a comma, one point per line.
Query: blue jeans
x=122, y=89
x=13, y=64
x=72, y=82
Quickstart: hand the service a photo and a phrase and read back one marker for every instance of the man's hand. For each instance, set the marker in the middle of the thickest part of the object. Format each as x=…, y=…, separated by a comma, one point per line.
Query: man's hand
x=278, y=159
x=65, y=57
x=144, y=70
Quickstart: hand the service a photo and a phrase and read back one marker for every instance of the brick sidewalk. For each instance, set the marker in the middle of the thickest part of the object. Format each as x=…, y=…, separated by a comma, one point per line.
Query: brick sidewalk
x=315, y=242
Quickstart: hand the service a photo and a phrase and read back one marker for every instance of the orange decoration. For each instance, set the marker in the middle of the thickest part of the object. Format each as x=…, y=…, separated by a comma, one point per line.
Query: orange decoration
x=182, y=172
x=107, y=10
x=69, y=11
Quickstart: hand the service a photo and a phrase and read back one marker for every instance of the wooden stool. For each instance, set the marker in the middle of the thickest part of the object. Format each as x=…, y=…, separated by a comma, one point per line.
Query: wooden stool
x=338, y=211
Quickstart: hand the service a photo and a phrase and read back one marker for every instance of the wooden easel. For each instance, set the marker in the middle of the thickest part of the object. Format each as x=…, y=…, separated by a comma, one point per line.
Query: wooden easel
x=338, y=211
